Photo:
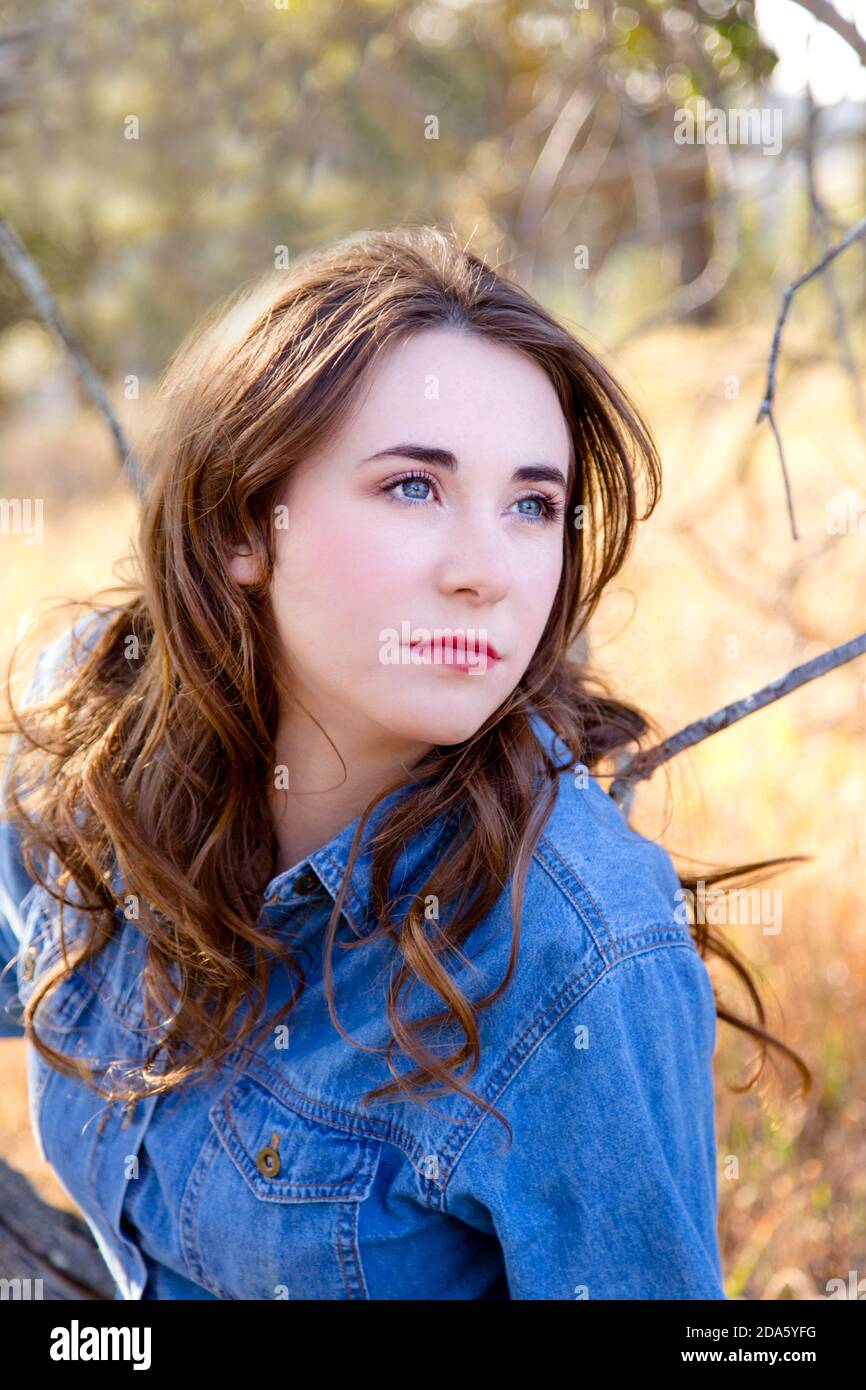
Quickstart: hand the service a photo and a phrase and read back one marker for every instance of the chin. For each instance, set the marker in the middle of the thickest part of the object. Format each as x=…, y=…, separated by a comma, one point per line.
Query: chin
x=438, y=725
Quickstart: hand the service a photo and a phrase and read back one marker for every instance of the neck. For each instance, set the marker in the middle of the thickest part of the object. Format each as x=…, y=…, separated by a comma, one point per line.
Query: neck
x=315, y=795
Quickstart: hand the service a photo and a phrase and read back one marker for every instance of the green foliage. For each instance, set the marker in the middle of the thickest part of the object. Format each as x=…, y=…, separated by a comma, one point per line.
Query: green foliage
x=155, y=156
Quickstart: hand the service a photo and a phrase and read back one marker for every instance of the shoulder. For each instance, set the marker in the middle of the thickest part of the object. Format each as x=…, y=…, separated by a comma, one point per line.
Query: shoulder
x=600, y=888
x=609, y=1178
x=610, y=883
x=601, y=914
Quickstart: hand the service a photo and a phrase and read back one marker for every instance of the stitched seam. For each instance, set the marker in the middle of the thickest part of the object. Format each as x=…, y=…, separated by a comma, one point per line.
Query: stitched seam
x=349, y=1253
x=649, y=937
x=349, y=1120
x=551, y=1022
x=341, y=1254
x=364, y=1292
x=189, y=1244
x=578, y=906
x=350, y=896
x=338, y=1185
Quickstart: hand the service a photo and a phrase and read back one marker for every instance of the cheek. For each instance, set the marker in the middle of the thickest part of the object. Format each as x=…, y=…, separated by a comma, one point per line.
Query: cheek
x=534, y=591
x=339, y=575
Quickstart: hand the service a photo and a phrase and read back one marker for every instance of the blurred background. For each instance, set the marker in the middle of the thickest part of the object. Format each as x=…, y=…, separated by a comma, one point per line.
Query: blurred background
x=656, y=174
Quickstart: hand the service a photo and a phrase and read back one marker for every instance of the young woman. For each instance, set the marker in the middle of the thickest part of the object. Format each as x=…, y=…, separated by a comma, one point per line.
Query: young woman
x=345, y=977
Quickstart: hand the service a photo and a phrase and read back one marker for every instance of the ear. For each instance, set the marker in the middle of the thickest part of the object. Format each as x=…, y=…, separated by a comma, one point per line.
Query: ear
x=242, y=566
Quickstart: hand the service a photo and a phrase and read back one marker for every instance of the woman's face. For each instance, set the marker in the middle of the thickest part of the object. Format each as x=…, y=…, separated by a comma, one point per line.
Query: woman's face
x=376, y=567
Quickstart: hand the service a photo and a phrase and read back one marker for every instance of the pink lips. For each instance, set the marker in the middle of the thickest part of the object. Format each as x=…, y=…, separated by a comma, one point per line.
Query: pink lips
x=459, y=651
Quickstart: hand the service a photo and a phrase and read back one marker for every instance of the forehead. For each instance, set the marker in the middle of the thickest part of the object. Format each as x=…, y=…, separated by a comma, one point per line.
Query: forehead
x=443, y=386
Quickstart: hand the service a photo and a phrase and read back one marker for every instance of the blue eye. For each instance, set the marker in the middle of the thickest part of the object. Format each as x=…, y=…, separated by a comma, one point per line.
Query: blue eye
x=539, y=513
x=550, y=509
x=410, y=483
x=411, y=480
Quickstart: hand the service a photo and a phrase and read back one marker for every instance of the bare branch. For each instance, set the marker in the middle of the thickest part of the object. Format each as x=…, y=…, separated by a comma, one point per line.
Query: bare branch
x=766, y=406
x=846, y=29
x=29, y=277
x=647, y=762
x=822, y=222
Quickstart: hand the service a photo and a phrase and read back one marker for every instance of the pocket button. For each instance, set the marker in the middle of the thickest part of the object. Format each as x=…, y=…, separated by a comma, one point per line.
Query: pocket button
x=268, y=1158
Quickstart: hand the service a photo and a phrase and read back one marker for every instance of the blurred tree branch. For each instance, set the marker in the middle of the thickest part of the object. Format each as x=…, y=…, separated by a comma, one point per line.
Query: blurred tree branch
x=823, y=11
x=25, y=270
x=718, y=269
x=647, y=762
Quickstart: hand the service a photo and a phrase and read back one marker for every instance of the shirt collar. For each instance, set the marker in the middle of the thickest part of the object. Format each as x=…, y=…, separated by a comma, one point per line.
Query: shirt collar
x=331, y=861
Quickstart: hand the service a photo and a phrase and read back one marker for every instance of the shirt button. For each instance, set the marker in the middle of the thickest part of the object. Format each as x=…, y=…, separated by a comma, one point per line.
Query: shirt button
x=307, y=883
x=29, y=964
x=268, y=1159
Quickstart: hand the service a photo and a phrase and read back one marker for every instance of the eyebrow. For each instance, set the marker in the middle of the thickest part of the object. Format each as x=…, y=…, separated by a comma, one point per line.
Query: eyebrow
x=423, y=453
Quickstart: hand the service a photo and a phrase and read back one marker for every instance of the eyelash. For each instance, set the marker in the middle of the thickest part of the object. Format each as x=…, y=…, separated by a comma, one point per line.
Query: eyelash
x=553, y=508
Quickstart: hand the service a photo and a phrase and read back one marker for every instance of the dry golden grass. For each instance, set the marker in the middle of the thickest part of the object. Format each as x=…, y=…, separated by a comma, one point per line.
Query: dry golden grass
x=716, y=600
x=724, y=605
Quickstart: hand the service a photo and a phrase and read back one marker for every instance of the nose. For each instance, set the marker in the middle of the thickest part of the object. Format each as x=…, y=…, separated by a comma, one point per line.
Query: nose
x=475, y=559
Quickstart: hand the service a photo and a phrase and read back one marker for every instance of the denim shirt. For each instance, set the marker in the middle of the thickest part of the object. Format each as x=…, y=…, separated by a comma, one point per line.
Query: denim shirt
x=273, y=1179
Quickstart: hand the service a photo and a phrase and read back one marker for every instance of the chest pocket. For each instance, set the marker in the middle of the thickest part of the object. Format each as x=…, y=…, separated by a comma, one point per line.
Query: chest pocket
x=271, y=1209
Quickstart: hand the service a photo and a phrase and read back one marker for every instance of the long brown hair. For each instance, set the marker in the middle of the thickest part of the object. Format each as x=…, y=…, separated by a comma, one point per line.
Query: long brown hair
x=156, y=757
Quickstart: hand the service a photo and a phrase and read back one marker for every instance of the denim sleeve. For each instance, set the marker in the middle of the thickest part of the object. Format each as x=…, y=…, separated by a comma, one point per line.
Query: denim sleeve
x=14, y=885
x=609, y=1188
x=15, y=882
